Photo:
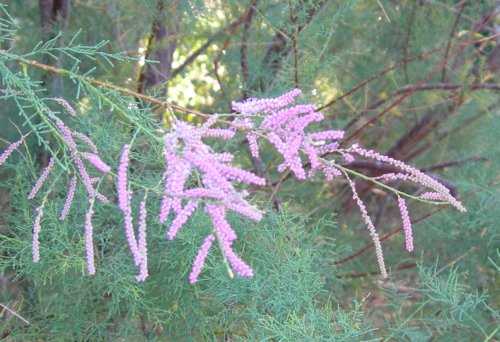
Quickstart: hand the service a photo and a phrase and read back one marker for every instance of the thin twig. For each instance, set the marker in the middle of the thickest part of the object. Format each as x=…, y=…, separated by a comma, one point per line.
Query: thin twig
x=454, y=163
x=15, y=314
x=229, y=29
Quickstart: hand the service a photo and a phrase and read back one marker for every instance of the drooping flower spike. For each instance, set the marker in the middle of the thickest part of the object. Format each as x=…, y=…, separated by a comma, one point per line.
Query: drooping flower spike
x=142, y=243
x=69, y=198
x=41, y=180
x=8, y=151
x=124, y=199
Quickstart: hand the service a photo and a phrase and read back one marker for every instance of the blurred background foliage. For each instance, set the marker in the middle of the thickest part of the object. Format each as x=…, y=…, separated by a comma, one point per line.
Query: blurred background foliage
x=416, y=79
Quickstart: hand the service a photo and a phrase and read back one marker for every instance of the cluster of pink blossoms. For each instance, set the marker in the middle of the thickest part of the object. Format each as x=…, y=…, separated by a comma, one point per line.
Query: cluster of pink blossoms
x=284, y=125
x=77, y=157
x=187, y=154
x=195, y=175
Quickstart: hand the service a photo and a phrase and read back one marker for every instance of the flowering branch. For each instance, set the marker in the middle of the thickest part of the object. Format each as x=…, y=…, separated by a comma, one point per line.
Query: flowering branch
x=196, y=176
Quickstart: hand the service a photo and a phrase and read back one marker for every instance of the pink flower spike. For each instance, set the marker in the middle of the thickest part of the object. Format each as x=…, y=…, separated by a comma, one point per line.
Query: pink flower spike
x=124, y=197
x=253, y=144
x=432, y=196
x=199, y=261
x=252, y=106
x=417, y=175
x=95, y=160
x=142, y=243
x=89, y=240
x=286, y=115
x=41, y=180
x=8, y=151
x=221, y=133
x=37, y=227
x=406, y=224
x=165, y=206
x=226, y=235
x=70, y=110
x=327, y=135
x=238, y=265
x=70, y=142
x=217, y=214
x=86, y=140
x=121, y=181
x=241, y=176
x=371, y=228
x=69, y=198
x=181, y=219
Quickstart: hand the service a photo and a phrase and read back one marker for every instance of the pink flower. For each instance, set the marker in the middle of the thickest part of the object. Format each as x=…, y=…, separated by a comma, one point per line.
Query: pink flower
x=327, y=135
x=124, y=203
x=8, y=151
x=35, y=245
x=142, y=244
x=253, y=144
x=86, y=140
x=68, y=139
x=95, y=160
x=89, y=243
x=41, y=180
x=417, y=175
x=69, y=198
x=226, y=235
x=65, y=105
x=252, y=106
x=371, y=228
x=221, y=133
x=432, y=196
x=181, y=219
x=406, y=224
x=199, y=261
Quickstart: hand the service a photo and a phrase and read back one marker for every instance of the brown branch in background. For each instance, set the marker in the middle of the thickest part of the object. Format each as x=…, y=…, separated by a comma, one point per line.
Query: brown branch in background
x=454, y=163
x=216, y=70
x=111, y=86
x=244, y=48
x=418, y=87
x=229, y=29
x=421, y=56
x=258, y=165
x=461, y=7
x=447, y=133
x=381, y=73
x=482, y=24
x=423, y=127
x=278, y=49
x=160, y=47
x=467, y=122
x=408, y=90
x=295, y=37
x=54, y=16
